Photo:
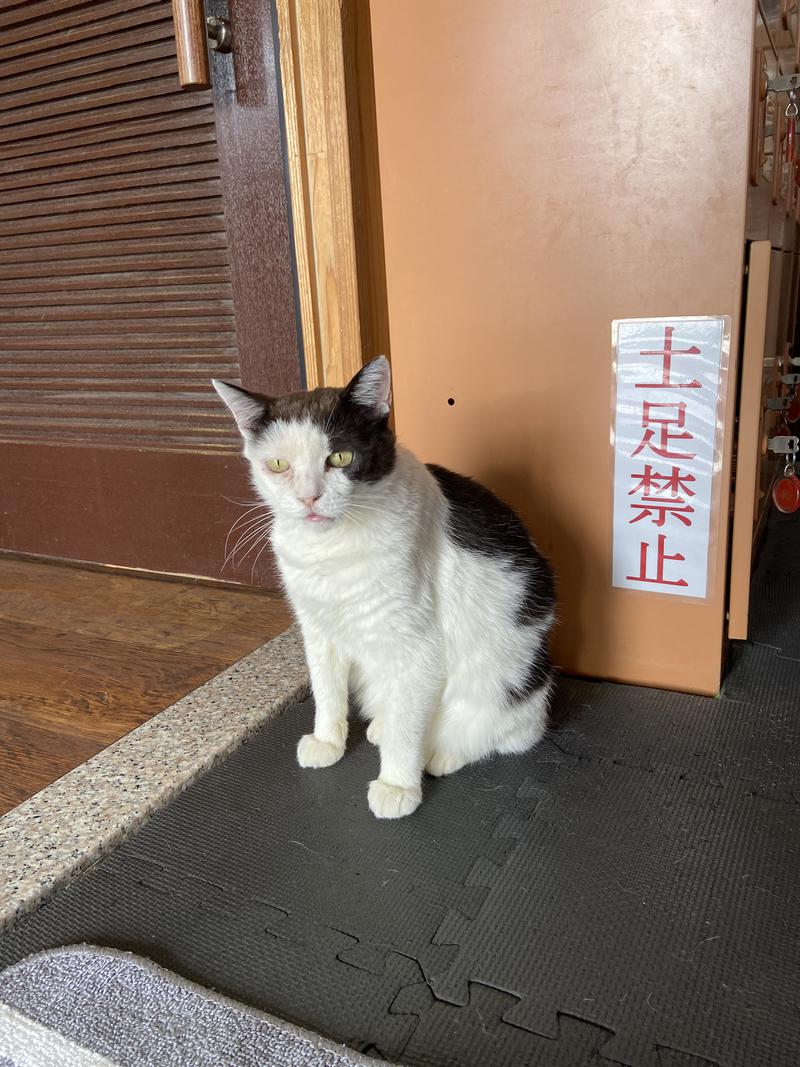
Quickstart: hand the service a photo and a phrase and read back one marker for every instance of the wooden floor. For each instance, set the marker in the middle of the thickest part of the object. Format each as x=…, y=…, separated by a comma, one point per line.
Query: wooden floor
x=86, y=656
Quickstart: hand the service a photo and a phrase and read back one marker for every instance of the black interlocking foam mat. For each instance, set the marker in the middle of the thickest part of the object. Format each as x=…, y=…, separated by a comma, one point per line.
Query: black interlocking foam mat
x=628, y=892
x=772, y=621
x=779, y=552
x=774, y=618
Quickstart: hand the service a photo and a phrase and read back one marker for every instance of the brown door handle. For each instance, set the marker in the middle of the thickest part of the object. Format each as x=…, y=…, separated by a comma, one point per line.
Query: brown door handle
x=191, y=46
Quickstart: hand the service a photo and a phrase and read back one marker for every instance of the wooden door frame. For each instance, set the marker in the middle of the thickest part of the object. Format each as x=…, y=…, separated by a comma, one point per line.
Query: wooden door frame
x=331, y=149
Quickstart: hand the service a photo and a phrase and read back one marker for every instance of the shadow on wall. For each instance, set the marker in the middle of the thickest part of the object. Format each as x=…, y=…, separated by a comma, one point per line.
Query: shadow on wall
x=574, y=562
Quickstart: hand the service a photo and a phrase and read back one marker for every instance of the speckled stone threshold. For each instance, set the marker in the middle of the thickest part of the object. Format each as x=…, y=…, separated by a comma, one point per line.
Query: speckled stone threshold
x=59, y=832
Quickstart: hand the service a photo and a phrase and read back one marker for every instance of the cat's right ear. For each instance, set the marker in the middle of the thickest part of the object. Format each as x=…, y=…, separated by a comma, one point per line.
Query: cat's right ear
x=248, y=410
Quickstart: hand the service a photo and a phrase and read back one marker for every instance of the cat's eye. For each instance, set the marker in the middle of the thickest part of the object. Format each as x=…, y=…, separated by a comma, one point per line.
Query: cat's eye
x=340, y=459
x=278, y=466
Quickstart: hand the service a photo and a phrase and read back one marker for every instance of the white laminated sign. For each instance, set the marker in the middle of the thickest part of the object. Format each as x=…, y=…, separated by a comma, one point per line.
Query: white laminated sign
x=668, y=376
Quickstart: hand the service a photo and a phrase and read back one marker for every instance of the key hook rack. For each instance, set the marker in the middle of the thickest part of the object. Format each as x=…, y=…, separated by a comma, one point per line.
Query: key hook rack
x=784, y=83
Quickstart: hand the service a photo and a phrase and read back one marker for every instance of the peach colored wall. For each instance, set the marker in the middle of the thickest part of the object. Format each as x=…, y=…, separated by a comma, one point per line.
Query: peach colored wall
x=546, y=168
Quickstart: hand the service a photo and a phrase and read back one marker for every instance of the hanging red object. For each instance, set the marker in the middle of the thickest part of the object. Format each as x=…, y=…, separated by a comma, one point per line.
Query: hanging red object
x=790, y=139
x=793, y=411
x=786, y=492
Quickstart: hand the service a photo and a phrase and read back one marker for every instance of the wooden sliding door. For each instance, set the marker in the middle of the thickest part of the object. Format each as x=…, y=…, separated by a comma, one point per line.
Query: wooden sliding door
x=146, y=248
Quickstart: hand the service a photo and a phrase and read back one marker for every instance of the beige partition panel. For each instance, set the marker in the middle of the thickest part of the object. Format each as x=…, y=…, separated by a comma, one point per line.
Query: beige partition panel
x=749, y=440
x=546, y=169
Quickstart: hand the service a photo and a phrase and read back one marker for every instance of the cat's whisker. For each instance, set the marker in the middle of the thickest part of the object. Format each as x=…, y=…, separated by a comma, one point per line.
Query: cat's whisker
x=265, y=524
x=253, y=506
x=264, y=536
x=244, y=518
x=247, y=521
x=258, y=557
x=241, y=519
x=363, y=507
x=415, y=519
x=362, y=510
x=241, y=503
x=250, y=536
x=328, y=420
x=356, y=522
x=254, y=535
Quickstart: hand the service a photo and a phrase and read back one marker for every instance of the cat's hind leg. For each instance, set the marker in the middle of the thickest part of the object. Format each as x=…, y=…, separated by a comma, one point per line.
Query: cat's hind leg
x=464, y=729
x=442, y=762
x=447, y=749
x=488, y=721
x=525, y=723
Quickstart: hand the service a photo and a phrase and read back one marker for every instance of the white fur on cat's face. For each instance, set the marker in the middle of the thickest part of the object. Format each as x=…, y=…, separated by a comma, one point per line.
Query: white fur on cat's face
x=303, y=430
x=310, y=487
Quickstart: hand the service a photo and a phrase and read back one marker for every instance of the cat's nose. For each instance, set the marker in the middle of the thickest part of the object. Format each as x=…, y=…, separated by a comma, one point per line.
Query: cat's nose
x=309, y=501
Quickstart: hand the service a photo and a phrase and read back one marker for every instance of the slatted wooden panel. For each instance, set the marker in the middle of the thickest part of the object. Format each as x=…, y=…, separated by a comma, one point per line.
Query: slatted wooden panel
x=115, y=285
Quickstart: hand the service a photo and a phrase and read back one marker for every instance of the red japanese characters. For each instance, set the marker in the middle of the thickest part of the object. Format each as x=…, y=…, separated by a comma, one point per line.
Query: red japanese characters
x=667, y=391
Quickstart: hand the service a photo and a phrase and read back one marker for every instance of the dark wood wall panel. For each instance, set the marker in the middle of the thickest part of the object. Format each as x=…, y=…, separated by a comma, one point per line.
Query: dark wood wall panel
x=147, y=526
x=115, y=298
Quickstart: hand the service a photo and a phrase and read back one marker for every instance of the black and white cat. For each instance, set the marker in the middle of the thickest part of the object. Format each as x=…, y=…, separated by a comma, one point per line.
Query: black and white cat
x=416, y=589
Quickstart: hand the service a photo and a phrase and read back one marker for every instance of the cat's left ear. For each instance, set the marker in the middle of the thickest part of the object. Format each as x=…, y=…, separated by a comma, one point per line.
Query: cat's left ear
x=248, y=410
x=372, y=387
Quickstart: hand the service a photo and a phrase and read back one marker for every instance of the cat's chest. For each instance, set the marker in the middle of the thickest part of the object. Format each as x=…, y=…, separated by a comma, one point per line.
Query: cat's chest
x=331, y=586
x=322, y=586
x=344, y=584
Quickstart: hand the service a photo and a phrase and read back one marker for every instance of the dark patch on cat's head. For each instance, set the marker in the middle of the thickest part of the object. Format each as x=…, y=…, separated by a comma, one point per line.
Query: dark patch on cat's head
x=352, y=429
x=355, y=419
x=316, y=405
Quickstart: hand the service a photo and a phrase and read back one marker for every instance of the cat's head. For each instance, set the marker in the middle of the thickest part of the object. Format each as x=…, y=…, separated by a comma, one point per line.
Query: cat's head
x=313, y=454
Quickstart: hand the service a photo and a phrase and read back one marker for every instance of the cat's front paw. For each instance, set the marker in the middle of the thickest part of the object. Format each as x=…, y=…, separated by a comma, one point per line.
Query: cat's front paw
x=392, y=801
x=374, y=732
x=312, y=752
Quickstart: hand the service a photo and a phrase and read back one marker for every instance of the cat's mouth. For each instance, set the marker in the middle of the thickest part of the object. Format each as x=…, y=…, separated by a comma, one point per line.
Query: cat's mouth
x=314, y=517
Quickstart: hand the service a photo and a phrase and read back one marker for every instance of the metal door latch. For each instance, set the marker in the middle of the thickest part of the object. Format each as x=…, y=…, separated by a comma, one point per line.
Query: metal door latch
x=790, y=379
x=220, y=35
x=784, y=446
x=778, y=403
